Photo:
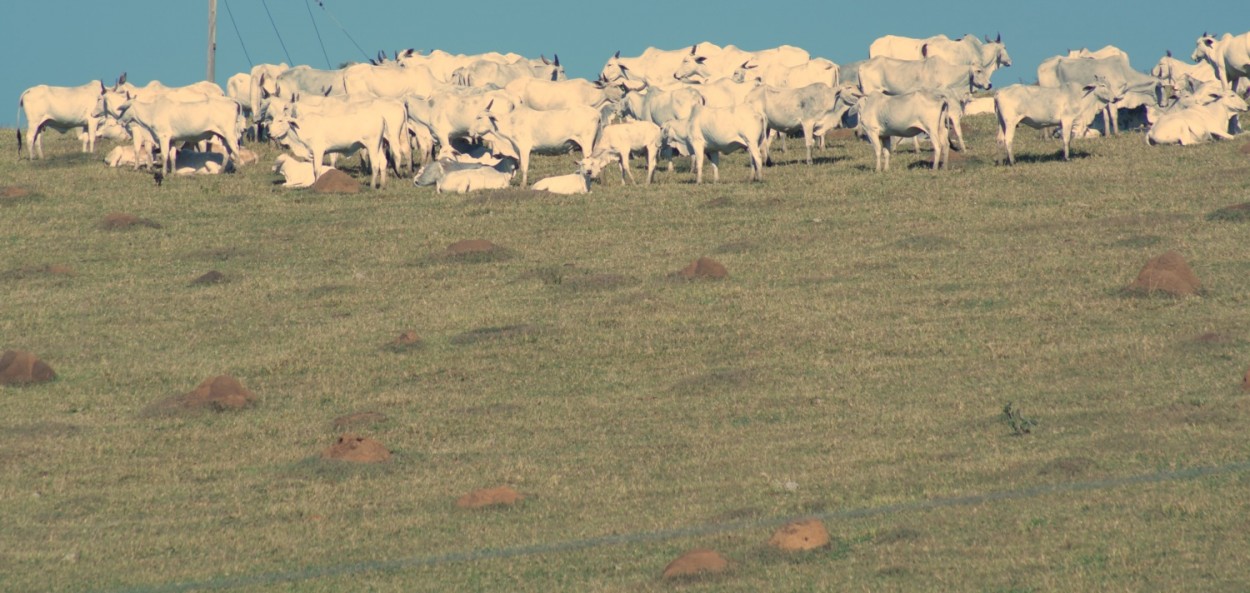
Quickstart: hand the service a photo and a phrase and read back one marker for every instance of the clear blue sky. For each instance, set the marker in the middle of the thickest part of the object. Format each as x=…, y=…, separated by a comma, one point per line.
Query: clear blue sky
x=70, y=42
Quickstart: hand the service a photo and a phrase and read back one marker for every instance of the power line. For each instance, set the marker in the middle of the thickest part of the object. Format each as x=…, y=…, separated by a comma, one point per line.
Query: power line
x=322, y=4
x=318, y=32
x=236, y=34
x=275, y=32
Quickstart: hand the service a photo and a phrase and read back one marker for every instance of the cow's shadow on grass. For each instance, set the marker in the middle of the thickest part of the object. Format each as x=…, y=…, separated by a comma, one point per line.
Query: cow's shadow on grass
x=64, y=161
x=1050, y=157
x=816, y=160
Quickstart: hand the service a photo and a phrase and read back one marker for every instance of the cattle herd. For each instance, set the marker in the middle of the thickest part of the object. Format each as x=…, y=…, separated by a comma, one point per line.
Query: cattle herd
x=472, y=122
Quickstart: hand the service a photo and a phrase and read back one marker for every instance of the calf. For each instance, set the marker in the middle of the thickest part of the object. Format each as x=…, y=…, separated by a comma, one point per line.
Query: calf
x=467, y=180
x=573, y=183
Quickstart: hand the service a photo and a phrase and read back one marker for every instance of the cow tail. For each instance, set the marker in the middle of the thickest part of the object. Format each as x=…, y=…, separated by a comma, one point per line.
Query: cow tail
x=18, y=119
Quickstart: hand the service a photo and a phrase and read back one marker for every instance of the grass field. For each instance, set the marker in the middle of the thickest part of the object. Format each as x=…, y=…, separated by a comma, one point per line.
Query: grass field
x=853, y=365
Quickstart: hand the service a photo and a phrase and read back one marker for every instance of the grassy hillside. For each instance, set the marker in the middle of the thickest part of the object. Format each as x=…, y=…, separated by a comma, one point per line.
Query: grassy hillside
x=854, y=365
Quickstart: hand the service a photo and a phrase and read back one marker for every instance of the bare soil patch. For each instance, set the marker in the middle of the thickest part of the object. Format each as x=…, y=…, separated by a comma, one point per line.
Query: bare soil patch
x=1168, y=274
x=704, y=268
x=220, y=394
x=721, y=202
x=489, y=497
x=19, y=367
x=800, y=536
x=13, y=191
x=356, y=419
x=474, y=251
x=116, y=221
x=334, y=181
x=696, y=563
x=356, y=449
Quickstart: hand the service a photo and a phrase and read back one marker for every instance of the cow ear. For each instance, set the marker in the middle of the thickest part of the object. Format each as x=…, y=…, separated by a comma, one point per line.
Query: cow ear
x=924, y=50
x=700, y=59
x=623, y=68
x=293, y=124
x=1209, y=42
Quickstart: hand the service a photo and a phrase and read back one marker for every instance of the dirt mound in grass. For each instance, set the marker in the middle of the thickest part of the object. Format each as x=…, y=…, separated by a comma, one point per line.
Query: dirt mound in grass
x=19, y=367
x=358, y=419
x=1167, y=273
x=840, y=134
x=407, y=340
x=356, y=449
x=211, y=277
x=221, y=393
x=703, y=268
x=489, y=497
x=474, y=251
x=800, y=536
x=333, y=181
x=698, y=562
x=115, y=221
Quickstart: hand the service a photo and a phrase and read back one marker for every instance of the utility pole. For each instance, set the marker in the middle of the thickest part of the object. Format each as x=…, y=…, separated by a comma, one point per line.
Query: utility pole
x=212, y=41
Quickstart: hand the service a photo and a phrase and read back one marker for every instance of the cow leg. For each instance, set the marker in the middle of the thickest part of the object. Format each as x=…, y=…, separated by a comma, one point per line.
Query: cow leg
x=1065, y=133
x=697, y=159
x=1007, y=133
x=624, y=159
x=34, y=139
x=713, y=158
x=651, y=150
x=525, y=166
x=757, y=162
x=807, y=139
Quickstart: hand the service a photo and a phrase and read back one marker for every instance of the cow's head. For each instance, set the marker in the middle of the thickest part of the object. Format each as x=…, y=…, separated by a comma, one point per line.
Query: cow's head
x=614, y=70
x=978, y=78
x=1205, y=49
x=743, y=73
x=691, y=66
x=484, y=123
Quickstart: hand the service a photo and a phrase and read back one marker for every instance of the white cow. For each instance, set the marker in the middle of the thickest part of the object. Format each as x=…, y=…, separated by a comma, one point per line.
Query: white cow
x=966, y=50
x=710, y=131
x=444, y=64
x=618, y=141
x=484, y=73
x=710, y=63
x=1198, y=123
x=1070, y=107
x=306, y=80
x=1115, y=69
x=388, y=81
x=545, y=95
x=392, y=110
x=167, y=120
x=898, y=77
x=523, y=130
x=1229, y=56
x=449, y=115
x=312, y=135
x=789, y=110
x=722, y=92
x=655, y=66
x=256, y=81
x=61, y=109
x=883, y=117
x=1176, y=72
x=467, y=180
x=238, y=87
x=573, y=183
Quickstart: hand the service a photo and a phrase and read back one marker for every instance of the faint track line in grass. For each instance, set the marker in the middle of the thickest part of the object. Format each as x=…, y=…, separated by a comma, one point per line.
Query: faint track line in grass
x=309, y=573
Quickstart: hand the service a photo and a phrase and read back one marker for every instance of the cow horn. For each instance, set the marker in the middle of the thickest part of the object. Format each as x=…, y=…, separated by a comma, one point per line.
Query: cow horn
x=492, y=101
x=1169, y=53
x=556, y=61
x=998, y=38
x=543, y=57
x=692, y=48
x=121, y=79
x=373, y=62
x=102, y=90
x=325, y=92
x=987, y=38
x=617, y=55
x=924, y=50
